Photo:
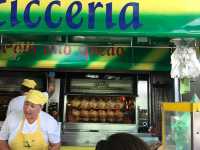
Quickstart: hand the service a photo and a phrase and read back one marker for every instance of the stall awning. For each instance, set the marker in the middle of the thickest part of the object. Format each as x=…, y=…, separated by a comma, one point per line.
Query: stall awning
x=177, y=18
x=87, y=57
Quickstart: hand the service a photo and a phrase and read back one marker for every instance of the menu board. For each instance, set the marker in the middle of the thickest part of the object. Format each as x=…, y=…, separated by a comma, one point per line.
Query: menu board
x=101, y=86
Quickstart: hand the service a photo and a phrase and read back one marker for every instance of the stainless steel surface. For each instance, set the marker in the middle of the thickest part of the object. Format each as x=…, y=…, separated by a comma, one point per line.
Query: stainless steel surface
x=88, y=134
x=176, y=90
x=91, y=138
x=82, y=138
x=65, y=108
x=196, y=131
x=101, y=86
x=101, y=39
x=99, y=127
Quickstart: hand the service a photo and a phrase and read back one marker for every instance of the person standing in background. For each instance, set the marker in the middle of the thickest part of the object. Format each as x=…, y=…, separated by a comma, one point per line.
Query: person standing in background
x=17, y=103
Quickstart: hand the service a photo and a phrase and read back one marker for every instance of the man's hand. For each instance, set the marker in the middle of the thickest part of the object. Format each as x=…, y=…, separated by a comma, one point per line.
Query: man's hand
x=4, y=145
x=53, y=146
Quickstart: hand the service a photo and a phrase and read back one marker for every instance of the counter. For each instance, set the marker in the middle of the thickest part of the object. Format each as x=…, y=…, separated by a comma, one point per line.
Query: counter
x=76, y=148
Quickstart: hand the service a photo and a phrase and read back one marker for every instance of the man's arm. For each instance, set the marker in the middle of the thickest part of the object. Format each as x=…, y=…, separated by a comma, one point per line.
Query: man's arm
x=53, y=146
x=4, y=145
x=4, y=134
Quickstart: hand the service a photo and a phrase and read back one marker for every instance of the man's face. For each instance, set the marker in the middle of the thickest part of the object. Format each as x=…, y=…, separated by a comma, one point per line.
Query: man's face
x=31, y=110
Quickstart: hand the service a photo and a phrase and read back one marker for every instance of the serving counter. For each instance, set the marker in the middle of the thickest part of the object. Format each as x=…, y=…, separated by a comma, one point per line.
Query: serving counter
x=88, y=134
x=76, y=148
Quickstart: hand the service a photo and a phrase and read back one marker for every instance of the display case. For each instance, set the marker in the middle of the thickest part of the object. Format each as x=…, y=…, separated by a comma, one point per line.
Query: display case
x=180, y=126
x=101, y=109
x=101, y=98
x=98, y=105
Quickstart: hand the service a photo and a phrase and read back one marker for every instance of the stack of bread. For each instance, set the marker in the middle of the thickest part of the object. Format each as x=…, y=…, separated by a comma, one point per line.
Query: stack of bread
x=84, y=104
x=96, y=109
x=76, y=114
x=93, y=115
x=110, y=115
x=84, y=115
x=110, y=104
x=75, y=103
x=93, y=103
x=118, y=116
x=102, y=115
x=101, y=104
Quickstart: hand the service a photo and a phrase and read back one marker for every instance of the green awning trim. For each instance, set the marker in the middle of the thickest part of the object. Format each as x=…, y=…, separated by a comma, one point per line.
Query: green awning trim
x=85, y=57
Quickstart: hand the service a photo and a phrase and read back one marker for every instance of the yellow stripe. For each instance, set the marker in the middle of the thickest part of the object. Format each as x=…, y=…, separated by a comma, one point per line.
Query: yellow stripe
x=154, y=56
x=146, y=6
x=45, y=64
x=97, y=65
x=155, y=6
x=143, y=66
x=3, y=63
x=100, y=62
x=181, y=107
x=170, y=7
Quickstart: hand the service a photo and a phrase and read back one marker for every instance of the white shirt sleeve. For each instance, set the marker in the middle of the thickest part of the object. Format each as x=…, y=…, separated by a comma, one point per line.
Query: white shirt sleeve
x=50, y=127
x=9, y=108
x=16, y=104
x=10, y=125
x=4, y=133
x=54, y=132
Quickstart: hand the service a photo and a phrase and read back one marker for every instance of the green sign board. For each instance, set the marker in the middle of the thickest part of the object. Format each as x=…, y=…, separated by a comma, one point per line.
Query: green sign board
x=101, y=17
x=26, y=55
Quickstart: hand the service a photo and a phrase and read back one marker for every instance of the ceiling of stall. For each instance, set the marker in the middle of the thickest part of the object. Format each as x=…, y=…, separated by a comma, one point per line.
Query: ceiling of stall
x=98, y=40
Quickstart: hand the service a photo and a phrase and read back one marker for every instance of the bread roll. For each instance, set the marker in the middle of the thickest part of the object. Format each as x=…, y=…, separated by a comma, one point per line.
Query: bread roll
x=84, y=113
x=110, y=114
x=75, y=103
x=93, y=114
x=84, y=104
x=75, y=112
x=101, y=104
x=119, y=114
x=102, y=113
x=110, y=104
x=93, y=104
x=119, y=105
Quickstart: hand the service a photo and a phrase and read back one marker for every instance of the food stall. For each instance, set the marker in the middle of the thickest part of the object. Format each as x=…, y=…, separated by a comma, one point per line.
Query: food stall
x=123, y=43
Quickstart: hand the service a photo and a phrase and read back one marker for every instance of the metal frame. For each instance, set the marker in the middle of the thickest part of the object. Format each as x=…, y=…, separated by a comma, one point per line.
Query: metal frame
x=194, y=110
